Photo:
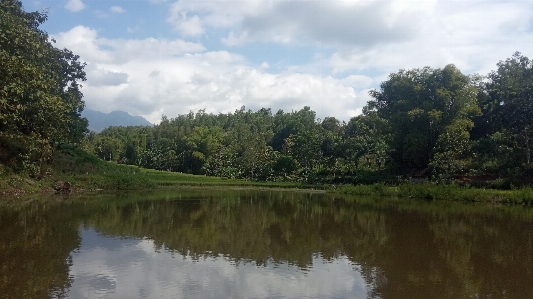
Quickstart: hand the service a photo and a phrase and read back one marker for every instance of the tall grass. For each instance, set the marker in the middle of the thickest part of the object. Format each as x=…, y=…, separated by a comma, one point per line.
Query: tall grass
x=169, y=179
x=431, y=191
x=87, y=172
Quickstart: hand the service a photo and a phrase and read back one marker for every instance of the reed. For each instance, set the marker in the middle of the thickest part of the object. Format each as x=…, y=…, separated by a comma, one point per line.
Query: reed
x=430, y=191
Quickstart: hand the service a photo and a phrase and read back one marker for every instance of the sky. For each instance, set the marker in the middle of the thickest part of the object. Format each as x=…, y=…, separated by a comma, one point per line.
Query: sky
x=167, y=57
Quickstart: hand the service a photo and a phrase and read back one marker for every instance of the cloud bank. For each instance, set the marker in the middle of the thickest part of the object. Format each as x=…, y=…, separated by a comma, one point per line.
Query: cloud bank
x=221, y=55
x=152, y=77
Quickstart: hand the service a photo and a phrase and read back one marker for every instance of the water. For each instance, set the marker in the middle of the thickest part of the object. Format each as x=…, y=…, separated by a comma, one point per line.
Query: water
x=262, y=244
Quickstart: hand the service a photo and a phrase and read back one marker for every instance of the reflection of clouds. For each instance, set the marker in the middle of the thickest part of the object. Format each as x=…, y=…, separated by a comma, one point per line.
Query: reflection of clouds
x=106, y=267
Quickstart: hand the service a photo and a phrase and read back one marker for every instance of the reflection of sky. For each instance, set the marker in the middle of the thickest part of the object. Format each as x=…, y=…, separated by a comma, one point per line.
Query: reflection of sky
x=107, y=267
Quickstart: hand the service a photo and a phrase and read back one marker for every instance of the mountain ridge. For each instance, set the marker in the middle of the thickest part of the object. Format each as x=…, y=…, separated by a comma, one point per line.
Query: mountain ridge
x=98, y=121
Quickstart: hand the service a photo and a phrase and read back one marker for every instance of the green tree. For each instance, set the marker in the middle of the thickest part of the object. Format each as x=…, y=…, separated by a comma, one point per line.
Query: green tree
x=367, y=139
x=507, y=103
x=109, y=148
x=40, y=97
x=305, y=147
x=332, y=125
x=201, y=144
x=422, y=104
x=284, y=168
x=452, y=151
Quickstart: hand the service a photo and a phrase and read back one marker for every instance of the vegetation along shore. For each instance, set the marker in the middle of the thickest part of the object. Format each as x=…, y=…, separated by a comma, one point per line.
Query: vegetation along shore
x=426, y=133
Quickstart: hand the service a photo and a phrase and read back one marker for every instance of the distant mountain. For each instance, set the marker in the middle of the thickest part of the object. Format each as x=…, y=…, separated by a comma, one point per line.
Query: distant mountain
x=99, y=121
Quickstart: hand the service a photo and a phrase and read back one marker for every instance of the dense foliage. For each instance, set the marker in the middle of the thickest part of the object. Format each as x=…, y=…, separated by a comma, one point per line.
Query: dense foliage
x=436, y=123
x=253, y=145
x=40, y=97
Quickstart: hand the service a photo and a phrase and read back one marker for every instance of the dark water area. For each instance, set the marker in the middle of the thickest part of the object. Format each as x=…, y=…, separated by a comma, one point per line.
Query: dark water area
x=262, y=244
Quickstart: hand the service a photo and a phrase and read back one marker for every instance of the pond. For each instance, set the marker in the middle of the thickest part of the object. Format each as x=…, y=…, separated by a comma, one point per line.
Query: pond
x=193, y=243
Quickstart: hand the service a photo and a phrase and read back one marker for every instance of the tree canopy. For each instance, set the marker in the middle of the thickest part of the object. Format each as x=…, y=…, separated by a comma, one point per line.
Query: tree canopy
x=439, y=122
x=40, y=96
x=429, y=112
x=506, y=99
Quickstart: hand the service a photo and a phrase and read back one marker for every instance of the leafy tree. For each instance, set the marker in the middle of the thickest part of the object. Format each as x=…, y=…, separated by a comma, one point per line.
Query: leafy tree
x=507, y=103
x=367, y=138
x=333, y=125
x=40, y=97
x=305, y=147
x=109, y=148
x=452, y=151
x=202, y=143
x=223, y=163
x=284, y=168
x=422, y=104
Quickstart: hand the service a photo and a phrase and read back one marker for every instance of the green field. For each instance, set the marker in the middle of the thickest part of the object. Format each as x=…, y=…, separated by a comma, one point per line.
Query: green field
x=86, y=172
x=169, y=179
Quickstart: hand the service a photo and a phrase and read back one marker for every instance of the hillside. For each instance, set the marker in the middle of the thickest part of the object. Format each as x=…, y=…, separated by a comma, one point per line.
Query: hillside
x=99, y=120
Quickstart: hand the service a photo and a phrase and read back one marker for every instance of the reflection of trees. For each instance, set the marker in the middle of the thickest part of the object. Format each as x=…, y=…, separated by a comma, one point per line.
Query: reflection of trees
x=465, y=252
x=404, y=249
x=35, y=242
x=496, y=263
x=263, y=227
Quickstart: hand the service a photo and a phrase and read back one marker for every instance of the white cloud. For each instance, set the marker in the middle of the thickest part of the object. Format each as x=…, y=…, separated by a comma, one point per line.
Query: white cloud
x=190, y=26
x=151, y=77
x=355, y=23
x=102, y=77
x=380, y=35
x=224, y=85
x=85, y=42
x=101, y=14
x=191, y=17
x=358, y=81
x=221, y=82
x=472, y=35
x=117, y=9
x=358, y=43
x=358, y=24
x=75, y=5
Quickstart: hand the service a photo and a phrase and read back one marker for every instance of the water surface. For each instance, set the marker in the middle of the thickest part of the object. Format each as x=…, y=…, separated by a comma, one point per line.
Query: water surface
x=262, y=244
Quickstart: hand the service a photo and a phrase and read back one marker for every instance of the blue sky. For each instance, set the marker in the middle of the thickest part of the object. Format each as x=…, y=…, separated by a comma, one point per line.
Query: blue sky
x=154, y=57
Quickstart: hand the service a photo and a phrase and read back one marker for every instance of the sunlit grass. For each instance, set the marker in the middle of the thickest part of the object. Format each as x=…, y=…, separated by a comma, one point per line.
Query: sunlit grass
x=432, y=191
x=166, y=179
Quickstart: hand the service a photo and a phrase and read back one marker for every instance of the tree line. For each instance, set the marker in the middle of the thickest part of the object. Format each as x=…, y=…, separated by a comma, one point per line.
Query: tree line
x=437, y=122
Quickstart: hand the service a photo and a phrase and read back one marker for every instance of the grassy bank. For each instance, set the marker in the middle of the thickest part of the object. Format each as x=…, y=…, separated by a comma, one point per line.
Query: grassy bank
x=81, y=170
x=169, y=179
x=86, y=172
x=523, y=196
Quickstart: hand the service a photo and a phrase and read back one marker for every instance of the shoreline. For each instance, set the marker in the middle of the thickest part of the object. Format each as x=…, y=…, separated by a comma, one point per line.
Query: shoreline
x=431, y=192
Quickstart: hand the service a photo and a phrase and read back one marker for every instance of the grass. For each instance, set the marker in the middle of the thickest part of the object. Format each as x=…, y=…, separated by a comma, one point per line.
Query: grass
x=430, y=191
x=83, y=171
x=169, y=179
x=86, y=172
